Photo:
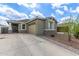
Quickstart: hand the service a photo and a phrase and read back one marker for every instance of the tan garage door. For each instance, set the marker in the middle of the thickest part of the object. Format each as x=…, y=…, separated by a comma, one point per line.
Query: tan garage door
x=32, y=29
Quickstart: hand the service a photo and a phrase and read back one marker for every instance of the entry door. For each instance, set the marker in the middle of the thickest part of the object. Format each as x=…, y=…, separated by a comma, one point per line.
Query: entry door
x=15, y=28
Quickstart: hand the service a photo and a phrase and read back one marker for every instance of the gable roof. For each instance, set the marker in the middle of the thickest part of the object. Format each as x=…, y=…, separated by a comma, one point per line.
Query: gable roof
x=36, y=18
x=30, y=20
x=43, y=19
x=53, y=18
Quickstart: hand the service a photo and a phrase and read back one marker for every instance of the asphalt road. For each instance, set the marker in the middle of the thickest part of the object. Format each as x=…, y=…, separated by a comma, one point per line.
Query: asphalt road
x=30, y=45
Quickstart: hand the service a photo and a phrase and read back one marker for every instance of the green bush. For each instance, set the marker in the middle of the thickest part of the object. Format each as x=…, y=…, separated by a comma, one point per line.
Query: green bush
x=76, y=31
x=76, y=35
x=62, y=29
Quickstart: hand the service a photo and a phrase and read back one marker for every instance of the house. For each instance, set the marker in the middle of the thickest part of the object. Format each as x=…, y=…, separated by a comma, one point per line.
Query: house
x=37, y=26
x=16, y=26
x=3, y=29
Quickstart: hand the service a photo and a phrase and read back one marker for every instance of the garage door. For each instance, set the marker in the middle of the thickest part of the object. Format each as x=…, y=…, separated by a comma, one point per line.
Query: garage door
x=32, y=29
x=4, y=30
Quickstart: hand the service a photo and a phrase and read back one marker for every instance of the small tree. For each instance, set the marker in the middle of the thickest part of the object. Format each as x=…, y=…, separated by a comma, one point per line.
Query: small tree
x=69, y=23
x=76, y=28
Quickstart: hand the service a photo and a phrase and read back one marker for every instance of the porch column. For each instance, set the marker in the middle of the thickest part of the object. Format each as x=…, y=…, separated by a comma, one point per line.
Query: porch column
x=0, y=29
x=10, y=28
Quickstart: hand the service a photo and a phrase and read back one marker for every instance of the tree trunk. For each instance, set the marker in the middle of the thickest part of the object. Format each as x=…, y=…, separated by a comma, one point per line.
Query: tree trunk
x=69, y=36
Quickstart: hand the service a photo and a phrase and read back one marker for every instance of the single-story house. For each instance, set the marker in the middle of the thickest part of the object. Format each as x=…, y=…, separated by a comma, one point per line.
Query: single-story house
x=37, y=26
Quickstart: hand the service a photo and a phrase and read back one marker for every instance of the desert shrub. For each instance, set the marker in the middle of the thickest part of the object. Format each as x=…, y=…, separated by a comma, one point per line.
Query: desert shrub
x=76, y=31
x=76, y=34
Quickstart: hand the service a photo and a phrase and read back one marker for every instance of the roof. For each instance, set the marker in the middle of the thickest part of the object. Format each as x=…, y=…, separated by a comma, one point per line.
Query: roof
x=30, y=20
x=17, y=21
x=37, y=18
x=47, y=18
x=51, y=18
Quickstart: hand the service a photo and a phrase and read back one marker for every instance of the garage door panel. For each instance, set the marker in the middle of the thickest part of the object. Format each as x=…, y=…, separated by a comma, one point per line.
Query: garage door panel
x=32, y=29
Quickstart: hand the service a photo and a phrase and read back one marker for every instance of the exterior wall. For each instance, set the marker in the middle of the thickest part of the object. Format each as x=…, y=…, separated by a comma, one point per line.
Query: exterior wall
x=40, y=27
x=48, y=31
x=33, y=28
x=47, y=24
x=20, y=28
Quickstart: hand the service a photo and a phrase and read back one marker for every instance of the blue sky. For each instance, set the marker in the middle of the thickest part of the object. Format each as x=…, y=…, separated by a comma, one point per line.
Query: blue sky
x=18, y=11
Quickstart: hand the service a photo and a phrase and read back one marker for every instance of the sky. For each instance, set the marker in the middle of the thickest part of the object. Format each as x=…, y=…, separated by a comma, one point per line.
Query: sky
x=19, y=11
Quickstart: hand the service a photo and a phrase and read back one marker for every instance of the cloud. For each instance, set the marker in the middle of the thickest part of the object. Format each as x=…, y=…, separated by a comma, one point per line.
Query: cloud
x=28, y=5
x=35, y=13
x=53, y=15
x=24, y=16
x=75, y=10
x=10, y=12
x=60, y=12
x=3, y=20
x=65, y=19
x=65, y=8
x=58, y=5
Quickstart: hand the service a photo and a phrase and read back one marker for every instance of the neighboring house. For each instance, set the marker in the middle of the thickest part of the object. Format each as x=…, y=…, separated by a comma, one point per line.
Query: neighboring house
x=38, y=26
x=3, y=29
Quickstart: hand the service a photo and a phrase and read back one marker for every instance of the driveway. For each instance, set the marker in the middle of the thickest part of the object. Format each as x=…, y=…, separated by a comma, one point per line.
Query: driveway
x=30, y=45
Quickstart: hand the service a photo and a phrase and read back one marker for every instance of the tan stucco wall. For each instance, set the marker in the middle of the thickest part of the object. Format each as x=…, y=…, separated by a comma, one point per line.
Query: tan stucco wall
x=48, y=31
x=46, y=23
x=40, y=27
x=39, y=24
x=20, y=28
x=34, y=29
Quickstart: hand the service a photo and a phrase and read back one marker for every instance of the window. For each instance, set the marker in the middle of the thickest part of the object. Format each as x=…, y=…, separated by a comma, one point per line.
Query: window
x=50, y=25
x=23, y=26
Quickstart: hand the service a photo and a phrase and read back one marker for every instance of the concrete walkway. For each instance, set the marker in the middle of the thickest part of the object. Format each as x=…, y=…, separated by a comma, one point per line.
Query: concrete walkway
x=30, y=45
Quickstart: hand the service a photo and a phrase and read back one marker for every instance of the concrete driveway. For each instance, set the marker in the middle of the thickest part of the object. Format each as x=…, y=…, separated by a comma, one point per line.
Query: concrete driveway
x=30, y=45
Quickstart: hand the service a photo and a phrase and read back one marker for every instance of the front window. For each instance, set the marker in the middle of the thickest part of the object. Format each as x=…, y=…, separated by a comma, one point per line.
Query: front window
x=23, y=26
x=50, y=25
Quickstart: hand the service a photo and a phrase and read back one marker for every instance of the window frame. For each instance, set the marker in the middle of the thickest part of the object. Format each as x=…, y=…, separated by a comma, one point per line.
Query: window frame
x=51, y=25
x=24, y=27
